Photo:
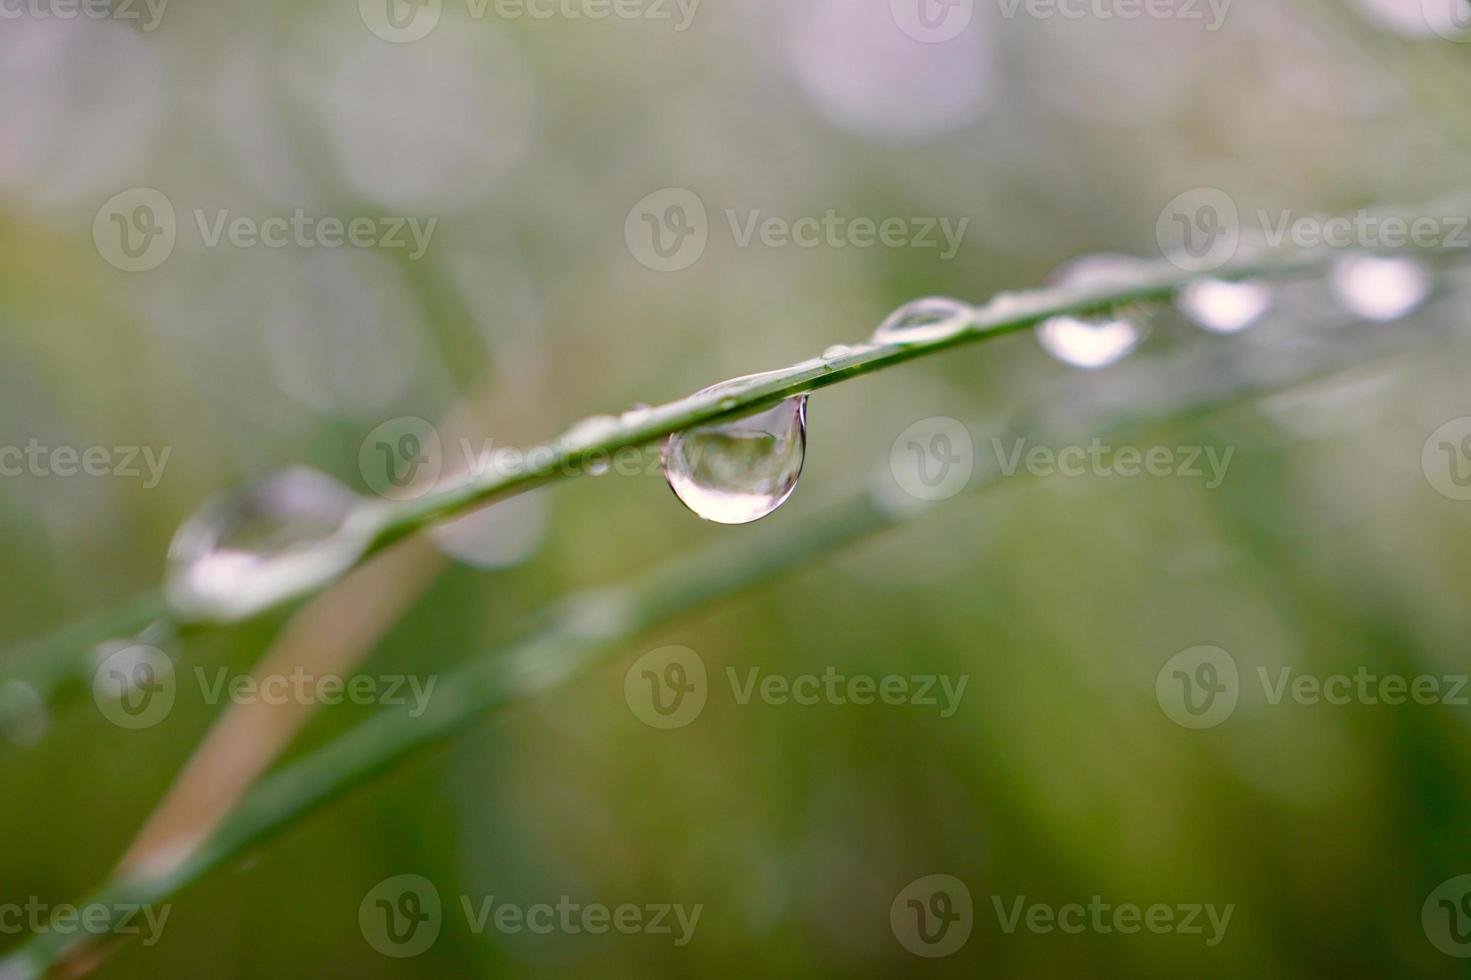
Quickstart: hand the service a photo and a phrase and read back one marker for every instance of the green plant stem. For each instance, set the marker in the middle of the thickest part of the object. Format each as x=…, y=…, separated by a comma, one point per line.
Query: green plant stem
x=577, y=633
x=55, y=663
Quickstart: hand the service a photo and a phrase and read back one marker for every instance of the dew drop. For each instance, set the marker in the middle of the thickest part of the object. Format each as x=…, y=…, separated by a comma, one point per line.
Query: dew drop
x=246, y=551
x=836, y=351
x=1379, y=287
x=738, y=471
x=590, y=432
x=599, y=465
x=924, y=320
x=1097, y=339
x=636, y=414
x=1221, y=306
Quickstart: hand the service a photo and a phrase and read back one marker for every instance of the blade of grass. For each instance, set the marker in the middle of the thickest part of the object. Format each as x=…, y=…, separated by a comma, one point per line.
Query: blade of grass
x=580, y=631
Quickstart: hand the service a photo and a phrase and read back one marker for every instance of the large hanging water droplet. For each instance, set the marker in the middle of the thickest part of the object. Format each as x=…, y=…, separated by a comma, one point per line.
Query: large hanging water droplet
x=924, y=320
x=1097, y=339
x=269, y=542
x=739, y=471
x=1378, y=287
x=1221, y=306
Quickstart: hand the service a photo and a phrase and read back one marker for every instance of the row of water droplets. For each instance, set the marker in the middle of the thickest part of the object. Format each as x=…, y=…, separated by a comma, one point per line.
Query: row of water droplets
x=739, y=471
x=279, y=537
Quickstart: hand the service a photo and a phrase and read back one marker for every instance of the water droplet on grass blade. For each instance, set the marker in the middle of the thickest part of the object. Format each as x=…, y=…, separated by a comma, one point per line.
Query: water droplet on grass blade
x=1096, y=339
x=738, y=471
x=1224, y=307
x=246, y=551
x=924, y=320
x=1378, y=287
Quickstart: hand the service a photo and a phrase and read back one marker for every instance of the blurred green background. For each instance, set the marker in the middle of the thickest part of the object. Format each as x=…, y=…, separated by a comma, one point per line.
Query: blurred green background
x=795, y=827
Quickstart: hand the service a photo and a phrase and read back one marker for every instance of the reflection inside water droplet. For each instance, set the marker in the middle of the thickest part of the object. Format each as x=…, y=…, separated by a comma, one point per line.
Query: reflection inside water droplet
x=1378, y=287
x=1224, y=307
x=739, y=471
x=1097, y=339
x=246, y=551
x=923, y=320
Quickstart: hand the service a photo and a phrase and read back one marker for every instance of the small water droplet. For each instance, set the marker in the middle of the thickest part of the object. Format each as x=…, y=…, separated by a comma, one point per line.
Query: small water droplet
x=1097, y=339
x=738, y=471
x=1221, y=306
x=591, y=431
x=1377, y=287
x=924, y=320
x=836, y=351
x=246, y=551
x=635, y=414
x=23, y=715
x=599, y=465
x=504, y=534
